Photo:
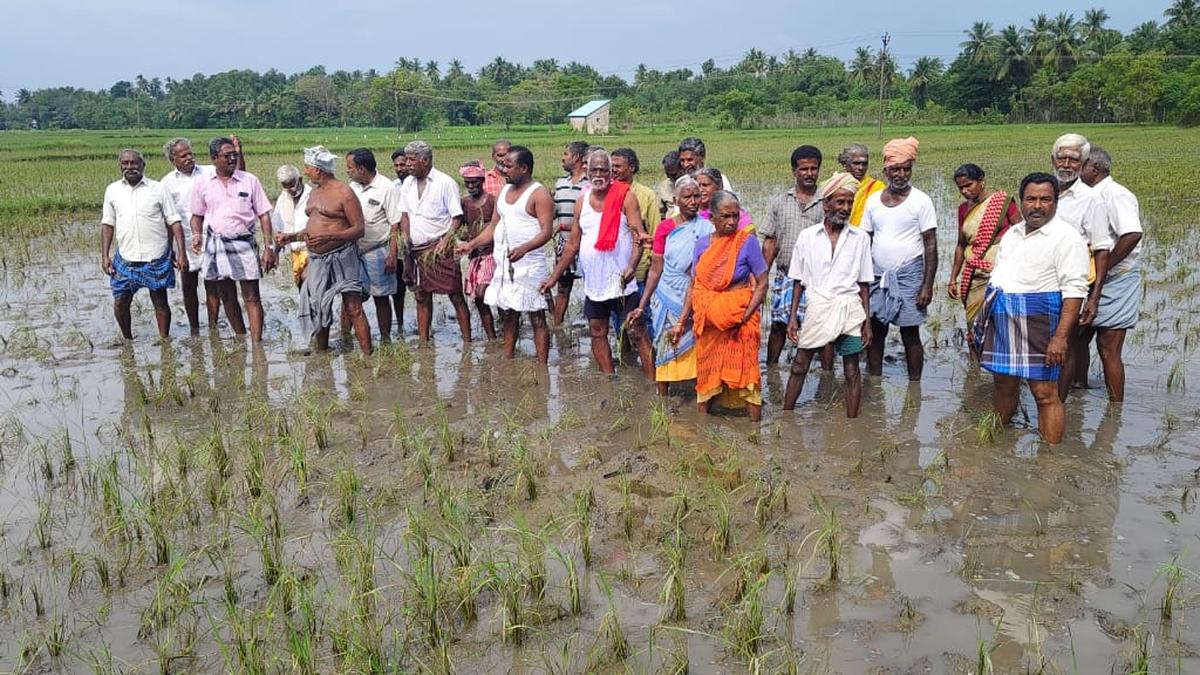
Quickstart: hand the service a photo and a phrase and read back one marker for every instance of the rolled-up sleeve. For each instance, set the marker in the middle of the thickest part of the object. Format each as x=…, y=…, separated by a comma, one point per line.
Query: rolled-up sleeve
x=1123, y=209
x=108, y=215
x=1071, y=264
x=1099, y=225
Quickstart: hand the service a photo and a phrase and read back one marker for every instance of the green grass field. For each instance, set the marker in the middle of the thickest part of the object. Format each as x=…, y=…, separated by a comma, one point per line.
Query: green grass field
x=56, y=173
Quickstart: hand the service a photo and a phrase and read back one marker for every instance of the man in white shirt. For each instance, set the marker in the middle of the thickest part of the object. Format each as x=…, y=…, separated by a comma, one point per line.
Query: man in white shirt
x=903, y=228
x=290, y=216
x=178, y=182
x=1120, y=297
x=832, y=263
x=140, y=215
x=1080, y=206
x=378, y=247
x=692, y=157
x=1037, y=289
x=432, y=216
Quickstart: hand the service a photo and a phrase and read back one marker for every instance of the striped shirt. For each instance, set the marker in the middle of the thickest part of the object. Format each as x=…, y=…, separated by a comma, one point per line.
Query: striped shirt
x=565, y=195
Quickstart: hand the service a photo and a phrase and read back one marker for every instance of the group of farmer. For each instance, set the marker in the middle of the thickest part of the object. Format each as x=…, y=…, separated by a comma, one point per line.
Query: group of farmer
x=681, y=272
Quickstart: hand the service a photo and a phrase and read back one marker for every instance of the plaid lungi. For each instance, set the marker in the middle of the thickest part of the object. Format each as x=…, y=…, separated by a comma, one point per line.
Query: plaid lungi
x=231, y=258
x=433, y=273
x=782, y=290
x=128, y=277
x=1013, y=331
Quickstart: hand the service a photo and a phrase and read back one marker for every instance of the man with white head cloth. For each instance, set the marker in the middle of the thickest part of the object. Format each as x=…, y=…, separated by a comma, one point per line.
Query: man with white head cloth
x=178, y=182
x=832, y=263
x=335, y=269
x=1081, y=207
x=289, y=216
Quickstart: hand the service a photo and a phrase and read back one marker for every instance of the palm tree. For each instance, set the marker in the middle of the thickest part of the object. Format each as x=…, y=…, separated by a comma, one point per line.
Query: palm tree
x=1144, y=36
x=1182, y=14
x=923, y=73
x=1063, y=43
x=754, y=63
x=1092, y=25
x=862, y=67
x=1037, y=37
x=1012, y=59
x=978, y=45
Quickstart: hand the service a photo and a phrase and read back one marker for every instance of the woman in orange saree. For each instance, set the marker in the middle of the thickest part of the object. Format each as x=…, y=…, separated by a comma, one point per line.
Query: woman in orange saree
x=729, y=280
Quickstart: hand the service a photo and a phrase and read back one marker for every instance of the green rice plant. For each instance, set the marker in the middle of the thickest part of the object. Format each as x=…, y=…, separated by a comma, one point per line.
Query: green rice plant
x=255, y=468
x=67, y=452
x=446, y=436
x=100, y=570
x=262, y=523
x=984, y=648
x=467, y=587
x=419, y=534
x=43, y=526
x=5, y=587
x=744, y=632
x=424, y=598
x=583, y=522
x=626, y=510
x=722, y=531
x=1137, y=660
x=303, y=634
x=505, y=579
x=531, y=548
x=74, y=571
x=1175, y=577
x=525, y=472
x=829, y=537
x=574, y=595
x=319, y=421
x=246, y=633
x=348, y=487
x=45, y=465
x=561, y=666
x=610, y=644
x=298, y=457
x=787, y=601
x=35, y=596
x=680, y=504
x=422, y=463
x=172, y=597
x=987, y=426
x=354, y=553
x=660, y=421
x=672, y=595
x=1177, y=377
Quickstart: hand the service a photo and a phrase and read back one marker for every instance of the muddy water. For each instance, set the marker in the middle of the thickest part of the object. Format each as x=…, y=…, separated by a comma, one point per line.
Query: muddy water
x=1041, y=557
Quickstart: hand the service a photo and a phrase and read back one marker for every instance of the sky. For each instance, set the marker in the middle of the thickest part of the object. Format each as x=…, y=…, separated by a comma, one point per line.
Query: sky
x=94, y=43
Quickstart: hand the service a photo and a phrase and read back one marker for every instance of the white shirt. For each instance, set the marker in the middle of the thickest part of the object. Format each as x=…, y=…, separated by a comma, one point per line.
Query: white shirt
x=430, y=214
x=180, y=187
x=1051, y=258
x=380, y=201
x=140, y=216
x=1081, y=207
x=1124, y=216
x=833, y=271
x=298, y=217
x=898, y=229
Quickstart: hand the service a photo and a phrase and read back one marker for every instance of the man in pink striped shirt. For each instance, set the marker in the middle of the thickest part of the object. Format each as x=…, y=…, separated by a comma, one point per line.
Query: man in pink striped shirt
x=228, y=202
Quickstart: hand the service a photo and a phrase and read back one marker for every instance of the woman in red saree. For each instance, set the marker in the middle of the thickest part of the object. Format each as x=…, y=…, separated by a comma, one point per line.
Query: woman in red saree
x=983, y=218
x=729, y=280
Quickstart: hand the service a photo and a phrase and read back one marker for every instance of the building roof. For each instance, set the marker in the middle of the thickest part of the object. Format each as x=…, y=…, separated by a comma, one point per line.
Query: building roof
x=588, y=108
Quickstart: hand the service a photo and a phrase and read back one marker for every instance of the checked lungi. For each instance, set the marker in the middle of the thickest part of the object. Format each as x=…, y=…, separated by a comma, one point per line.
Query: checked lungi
x=128, y=277
x=1013, y=331
x=894, y=295
x=329, y=276
x=231, y=258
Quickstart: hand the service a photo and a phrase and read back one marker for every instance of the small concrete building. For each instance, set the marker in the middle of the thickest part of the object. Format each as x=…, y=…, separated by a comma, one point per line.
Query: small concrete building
x=591, y=116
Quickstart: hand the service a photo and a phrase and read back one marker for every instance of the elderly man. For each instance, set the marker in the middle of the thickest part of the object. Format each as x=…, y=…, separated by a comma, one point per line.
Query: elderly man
x=178, y=182
x=566, y=191
x=140, y=214
x=521, y=224
x=1081, y=206
x=789, y=214
x=665, y=188
x=902, y=223
x=378, y=247
x=494, y=179
x=692, y=156
x=1121, y=295
x=832, y=264
x=432, y=215
x=606, y=227
x=228, y=202
x=855, y=158
x=1033, y=302
x=289, y=216
x=335, y=268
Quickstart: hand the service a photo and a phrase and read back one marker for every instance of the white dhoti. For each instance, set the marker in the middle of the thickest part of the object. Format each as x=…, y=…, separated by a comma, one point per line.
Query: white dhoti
x=515, y=285
x=829, y=317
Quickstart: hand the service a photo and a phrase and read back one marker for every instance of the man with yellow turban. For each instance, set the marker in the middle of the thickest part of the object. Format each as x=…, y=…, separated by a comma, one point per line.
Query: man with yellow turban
x=903, y=226
x=832, y=264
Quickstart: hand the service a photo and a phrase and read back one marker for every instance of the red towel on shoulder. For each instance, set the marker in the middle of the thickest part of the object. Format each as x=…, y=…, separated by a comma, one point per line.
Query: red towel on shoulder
x=610, y=218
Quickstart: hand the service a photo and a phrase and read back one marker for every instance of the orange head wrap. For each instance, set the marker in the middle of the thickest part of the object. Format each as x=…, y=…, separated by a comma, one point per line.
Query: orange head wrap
x=900, y=150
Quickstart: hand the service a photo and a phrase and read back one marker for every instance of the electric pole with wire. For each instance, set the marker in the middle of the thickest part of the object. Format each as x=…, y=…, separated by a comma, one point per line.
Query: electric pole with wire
x=882, y=63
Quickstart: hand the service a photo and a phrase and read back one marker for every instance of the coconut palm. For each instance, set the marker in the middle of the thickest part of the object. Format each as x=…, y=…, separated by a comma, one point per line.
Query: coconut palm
x=1013, y=65
x=978, y=47
x=1183, y=14
x=1092, y=25
x=1063, y=43
x=1037, y=37
x=923, y=73
x=862, y=67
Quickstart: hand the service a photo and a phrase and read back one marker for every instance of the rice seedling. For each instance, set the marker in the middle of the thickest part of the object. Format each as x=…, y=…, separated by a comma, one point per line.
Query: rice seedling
x=447, y=437
x=506, y=581
x=1137, y=660
x=829, y=537
x=987, y=426
x=255, y=468
x=531, y=548
x=672, y=595
x=722, y=531
x=525, y=472
x=425, y=600
x=574, y=594
x=298, y=457
x=984, y=648
x=66, y=453
x=610, y=644
x=262, y=523
x=319, y=421
x=1174, y=595
x=1177, y=377
x=348, y=487
x=43, y=526
x=660, y=421
x=680, y=505
x=626, y=510
x=583, y=523
x=744, y=631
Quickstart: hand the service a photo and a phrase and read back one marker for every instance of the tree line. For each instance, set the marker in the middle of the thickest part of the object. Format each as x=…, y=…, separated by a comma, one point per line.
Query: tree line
x=1054, y=69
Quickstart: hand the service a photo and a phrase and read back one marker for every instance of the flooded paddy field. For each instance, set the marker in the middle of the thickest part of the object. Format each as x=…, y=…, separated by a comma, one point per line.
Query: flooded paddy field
x=206, y=505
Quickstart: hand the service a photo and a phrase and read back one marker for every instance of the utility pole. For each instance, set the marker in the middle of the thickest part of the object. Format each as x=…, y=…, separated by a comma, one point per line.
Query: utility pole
x=882, y=60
